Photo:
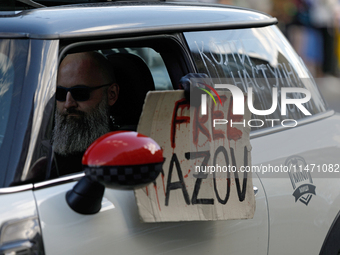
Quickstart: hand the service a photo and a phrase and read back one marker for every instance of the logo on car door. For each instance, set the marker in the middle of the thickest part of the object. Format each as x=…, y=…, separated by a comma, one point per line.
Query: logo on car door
x=301, y=179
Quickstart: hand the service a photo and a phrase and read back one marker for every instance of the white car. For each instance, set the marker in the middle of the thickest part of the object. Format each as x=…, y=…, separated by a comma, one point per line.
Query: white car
x=296, y=212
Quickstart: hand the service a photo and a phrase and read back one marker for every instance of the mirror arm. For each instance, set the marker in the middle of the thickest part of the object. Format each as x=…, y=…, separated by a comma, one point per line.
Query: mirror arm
x=86, y=196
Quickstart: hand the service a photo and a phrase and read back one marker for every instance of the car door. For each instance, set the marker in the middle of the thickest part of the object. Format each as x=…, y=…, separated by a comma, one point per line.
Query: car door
x=117, y=229
x=302, y=207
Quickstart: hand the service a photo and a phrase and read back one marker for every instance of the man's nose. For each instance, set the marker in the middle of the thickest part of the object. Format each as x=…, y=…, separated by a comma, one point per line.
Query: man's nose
x=70, y=102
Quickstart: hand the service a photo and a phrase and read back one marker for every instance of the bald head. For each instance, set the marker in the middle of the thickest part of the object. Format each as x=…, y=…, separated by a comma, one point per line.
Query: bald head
x=92, y=67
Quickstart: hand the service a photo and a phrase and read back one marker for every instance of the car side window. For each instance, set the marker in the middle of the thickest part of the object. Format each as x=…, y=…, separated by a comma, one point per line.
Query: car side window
x=155, y=63
x=133, y=70
x=260, y=58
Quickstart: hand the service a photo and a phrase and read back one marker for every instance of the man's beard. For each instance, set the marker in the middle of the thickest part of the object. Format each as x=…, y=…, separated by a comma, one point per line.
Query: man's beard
x=75, y=134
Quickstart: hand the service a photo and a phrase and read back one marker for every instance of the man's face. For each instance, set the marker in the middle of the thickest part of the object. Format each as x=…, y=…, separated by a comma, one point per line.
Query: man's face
x=79, y=123
x=78, y=70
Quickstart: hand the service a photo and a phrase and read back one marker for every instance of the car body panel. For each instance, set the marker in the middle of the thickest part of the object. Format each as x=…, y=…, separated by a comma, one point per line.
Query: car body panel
x=19, y=222
x=309, y=221
x=117, y=228
x=294, y=223
x=19, y=205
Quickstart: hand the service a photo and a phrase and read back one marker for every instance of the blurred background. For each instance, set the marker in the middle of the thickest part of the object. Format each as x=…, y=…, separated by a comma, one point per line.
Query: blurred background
x=312, y=27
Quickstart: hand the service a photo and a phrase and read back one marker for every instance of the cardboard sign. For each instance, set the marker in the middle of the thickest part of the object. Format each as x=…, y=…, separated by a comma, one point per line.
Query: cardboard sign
x=199, y=181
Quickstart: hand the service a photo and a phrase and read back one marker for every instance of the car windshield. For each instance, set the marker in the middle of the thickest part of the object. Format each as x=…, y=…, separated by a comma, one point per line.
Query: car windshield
x=13, y=55
x=6, y=90
x=13, y=59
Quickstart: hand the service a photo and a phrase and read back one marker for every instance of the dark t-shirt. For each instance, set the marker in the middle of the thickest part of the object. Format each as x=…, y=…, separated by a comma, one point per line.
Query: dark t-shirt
x=68, y=164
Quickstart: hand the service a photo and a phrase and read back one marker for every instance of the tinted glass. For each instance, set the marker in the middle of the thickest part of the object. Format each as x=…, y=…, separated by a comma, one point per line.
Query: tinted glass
x=153, y=60
x=6, y=90
x=260, y=58
x=157, y=67
x=13, y=55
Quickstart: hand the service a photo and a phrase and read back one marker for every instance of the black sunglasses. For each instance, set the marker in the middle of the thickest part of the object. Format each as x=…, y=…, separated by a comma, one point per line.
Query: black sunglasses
x=79, y=92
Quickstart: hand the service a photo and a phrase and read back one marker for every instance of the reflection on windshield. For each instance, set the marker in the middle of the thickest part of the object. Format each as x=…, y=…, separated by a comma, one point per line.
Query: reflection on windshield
x=13, y=58
x=6, y=89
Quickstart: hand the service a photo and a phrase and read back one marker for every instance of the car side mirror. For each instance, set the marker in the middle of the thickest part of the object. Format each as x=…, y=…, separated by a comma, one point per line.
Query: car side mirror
x=119, y=160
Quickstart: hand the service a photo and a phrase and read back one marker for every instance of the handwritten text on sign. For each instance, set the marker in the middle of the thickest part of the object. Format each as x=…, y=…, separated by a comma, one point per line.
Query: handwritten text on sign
x=195, y=183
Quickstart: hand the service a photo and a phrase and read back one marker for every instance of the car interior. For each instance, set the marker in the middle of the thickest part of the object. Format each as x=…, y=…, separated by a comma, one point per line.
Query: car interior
x=139, y=66
x=135, y=80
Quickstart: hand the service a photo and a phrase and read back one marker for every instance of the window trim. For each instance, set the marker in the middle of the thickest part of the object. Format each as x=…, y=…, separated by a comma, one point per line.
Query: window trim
x=175, y=38
x=15, y=189
x=58, y=181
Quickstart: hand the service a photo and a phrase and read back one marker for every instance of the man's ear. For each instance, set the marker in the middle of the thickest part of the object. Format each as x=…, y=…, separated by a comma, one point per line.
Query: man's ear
x=113, y=93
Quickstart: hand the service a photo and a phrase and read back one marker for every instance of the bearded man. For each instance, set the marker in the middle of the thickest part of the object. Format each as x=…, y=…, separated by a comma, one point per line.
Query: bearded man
x=86, y=89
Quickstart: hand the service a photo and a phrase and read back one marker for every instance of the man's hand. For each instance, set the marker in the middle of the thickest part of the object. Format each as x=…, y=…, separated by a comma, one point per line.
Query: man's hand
x=191, y=84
